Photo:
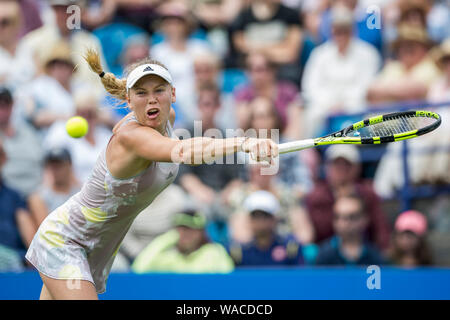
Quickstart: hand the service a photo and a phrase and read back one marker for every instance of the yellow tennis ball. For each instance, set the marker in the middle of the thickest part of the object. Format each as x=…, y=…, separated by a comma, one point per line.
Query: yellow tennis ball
x=77, y=127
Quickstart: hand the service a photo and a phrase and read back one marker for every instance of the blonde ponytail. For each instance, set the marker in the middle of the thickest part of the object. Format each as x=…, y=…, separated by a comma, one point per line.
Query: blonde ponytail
x=113, y=85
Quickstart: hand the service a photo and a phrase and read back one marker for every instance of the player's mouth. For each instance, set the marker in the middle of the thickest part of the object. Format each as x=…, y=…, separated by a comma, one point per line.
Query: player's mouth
x=153, y=113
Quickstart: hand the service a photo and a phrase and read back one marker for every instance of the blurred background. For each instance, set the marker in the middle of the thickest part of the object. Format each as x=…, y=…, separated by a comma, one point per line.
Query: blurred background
x=304, y=67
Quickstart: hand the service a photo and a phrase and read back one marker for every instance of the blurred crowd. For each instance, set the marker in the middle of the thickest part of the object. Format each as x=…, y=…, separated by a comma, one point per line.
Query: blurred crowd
x=286, y=65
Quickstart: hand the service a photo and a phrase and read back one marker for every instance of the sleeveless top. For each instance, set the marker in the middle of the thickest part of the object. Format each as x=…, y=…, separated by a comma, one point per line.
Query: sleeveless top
x=80, y=239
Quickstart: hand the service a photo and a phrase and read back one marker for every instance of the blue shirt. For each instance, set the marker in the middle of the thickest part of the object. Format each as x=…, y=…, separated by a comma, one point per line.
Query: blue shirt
x=10, y=201
x=330, y=254
x=282, y=252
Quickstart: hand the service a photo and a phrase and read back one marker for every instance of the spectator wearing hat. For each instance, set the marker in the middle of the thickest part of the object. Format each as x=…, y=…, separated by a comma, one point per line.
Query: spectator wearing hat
x=409, y=246
x=16, y=64
x=22, y=170
x=40, y=40
x=410, y=75
x=184, y=249
x=52, y=92
x=176, y=51
x=59, y=184
x=338, y=73
x=17, y=227
x=349, y=246
x=84, y=151
x=342, y=172
x=266, y=248
x=292, y=217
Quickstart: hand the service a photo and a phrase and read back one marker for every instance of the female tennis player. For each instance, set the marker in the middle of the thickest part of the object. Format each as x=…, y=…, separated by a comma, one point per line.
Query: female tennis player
x=75, y=245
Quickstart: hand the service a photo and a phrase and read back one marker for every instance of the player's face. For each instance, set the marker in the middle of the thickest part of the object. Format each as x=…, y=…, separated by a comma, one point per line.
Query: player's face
x=151, y=99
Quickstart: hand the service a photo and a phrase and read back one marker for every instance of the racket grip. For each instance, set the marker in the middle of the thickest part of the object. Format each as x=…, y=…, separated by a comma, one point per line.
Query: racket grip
x=295, y=145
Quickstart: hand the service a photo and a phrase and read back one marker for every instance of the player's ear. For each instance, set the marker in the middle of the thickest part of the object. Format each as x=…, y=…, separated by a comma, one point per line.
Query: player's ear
x=129, y=101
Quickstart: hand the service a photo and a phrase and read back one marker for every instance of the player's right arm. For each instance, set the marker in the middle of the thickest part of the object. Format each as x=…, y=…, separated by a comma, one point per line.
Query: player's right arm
x=149, y=144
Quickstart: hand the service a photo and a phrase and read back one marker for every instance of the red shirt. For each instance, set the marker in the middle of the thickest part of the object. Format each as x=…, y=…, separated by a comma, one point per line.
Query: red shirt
x=319, y=203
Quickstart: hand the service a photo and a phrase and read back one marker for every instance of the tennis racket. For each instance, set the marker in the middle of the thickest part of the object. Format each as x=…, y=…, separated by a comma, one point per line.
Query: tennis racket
x=386, y=128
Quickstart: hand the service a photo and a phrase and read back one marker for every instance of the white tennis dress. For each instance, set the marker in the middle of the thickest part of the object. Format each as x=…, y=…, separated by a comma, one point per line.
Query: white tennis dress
x=80, y=239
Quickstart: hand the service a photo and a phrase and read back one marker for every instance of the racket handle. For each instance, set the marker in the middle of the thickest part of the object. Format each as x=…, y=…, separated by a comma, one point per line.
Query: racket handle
x=295, y=145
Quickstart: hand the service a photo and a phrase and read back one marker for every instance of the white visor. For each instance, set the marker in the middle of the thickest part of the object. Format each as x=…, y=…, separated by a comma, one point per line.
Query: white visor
x=145, y=70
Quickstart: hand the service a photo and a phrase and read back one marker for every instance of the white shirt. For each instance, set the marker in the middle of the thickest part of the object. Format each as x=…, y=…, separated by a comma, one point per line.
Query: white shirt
x=50, y=96
x=17, y=69
x=332, y=79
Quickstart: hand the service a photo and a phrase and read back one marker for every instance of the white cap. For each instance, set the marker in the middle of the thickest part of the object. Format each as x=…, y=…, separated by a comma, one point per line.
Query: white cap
x=262, y=200
x=347, y=152
x=147, y=69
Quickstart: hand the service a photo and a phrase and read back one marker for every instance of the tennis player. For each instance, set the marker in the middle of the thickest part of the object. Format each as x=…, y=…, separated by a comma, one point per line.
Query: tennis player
x=75, y=246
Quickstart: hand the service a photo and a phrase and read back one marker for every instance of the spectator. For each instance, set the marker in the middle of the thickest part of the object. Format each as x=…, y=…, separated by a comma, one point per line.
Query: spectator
x=263, y=83
x=137, y=47
x=410, y=75
x=338, y=73
x=215, y=17
x=270, y=28
x=266, y=248
x=424, y=167
x=205, y=183
x=40, y=40
x=349, y=246
x=16, y=67
x=22, y=170
x=60, y=184
x=405, y=12
x=185, y=249
x=363, y=23
x=292, y=218
x=176, y=52
x=84, y=151
x=17, y=227
x=266, y=121
x=207, y=71
x=409, y=246
x=342, y=170
x=52, y=92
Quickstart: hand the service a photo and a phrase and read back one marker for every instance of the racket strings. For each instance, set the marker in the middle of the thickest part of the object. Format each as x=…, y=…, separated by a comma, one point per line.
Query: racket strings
x=397, y=125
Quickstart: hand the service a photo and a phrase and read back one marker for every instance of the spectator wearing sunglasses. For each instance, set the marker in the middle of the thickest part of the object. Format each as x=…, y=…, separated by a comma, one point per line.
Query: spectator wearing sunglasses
x=349, y=247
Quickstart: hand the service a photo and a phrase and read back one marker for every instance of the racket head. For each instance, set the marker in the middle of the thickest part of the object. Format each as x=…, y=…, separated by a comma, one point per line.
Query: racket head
x=385, y=128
